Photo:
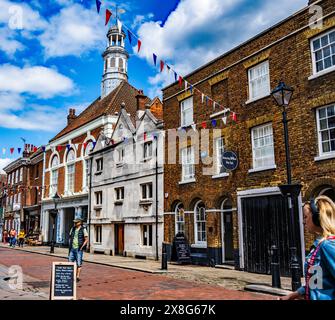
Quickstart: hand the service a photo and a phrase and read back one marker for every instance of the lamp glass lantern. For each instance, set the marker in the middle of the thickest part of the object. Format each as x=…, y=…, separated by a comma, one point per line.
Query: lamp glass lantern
x=282, y=94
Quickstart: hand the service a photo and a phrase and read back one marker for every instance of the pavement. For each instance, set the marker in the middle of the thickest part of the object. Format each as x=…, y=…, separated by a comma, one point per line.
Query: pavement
x=222, y=276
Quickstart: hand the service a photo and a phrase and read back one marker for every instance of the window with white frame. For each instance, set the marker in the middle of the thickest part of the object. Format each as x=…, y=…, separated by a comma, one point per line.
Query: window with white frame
x=259, y=81
x=120, y=155
x=98, y=198
x=88, y=149
x=119, y=193
x=54, y=175
x=262, y=146
x=147, y=150
x=326, y=129
x=99, y=164
x=19, y=198
x=219, y=149
x=98, y=234
x=180, y=218
x=323, y=51
x=186, y=107
x=70, y=168
x=17, y=176
x=187, y=160
x=147, y=235
x=21, y=174
x=200, y=223
x=146, y=191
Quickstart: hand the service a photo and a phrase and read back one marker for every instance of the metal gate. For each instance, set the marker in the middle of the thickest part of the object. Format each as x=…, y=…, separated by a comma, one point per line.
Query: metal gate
x=266, y=221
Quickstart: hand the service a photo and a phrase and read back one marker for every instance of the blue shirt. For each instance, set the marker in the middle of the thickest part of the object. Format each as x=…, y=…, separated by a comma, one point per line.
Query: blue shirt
x=325, y=258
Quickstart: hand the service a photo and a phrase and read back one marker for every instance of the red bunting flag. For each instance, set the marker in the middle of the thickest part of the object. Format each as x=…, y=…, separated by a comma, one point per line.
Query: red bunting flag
x=145, y=136
x=108, y=16
x=162, y=65
x=59, y=148
x=11, y=150
x=234, y=117
x=180, y=81
x=204, y=125
x=85, y=145
x=139, y=43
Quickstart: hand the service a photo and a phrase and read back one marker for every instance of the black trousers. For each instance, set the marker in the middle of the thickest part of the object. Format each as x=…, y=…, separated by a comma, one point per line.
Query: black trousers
x=21, y=241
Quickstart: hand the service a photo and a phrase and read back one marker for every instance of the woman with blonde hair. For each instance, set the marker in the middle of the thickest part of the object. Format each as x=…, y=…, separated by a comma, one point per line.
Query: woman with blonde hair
x=319, y=219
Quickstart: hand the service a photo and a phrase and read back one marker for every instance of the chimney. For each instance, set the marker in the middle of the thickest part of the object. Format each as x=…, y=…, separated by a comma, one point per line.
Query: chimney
x=141, y=99
x=71, y=116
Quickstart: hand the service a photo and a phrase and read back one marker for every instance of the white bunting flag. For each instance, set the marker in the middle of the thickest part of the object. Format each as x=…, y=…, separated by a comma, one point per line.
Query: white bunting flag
x=194, y=126
x=224, y=119
x=202, y=98
x=185, y=85
x=103, y=143
x=119, y=25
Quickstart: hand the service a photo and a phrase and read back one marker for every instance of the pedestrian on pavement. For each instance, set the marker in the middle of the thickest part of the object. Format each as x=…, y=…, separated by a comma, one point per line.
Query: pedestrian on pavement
x=319, y=219
x=5, y=236
x=78, y=241
x=12, y=238
x=21, y=237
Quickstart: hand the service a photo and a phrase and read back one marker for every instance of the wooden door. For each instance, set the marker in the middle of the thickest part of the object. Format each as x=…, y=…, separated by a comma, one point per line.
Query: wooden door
x=119, y=239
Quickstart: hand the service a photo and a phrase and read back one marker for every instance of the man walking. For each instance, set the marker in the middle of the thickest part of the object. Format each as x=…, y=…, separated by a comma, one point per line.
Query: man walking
x=78, y=241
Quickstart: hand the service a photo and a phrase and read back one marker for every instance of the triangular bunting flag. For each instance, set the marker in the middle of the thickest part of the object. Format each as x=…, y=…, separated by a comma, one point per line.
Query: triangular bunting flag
x=129, y=36
x=214, y=123
x=11, y=150
x=175, y=76
x=85, y=145
x=145, y=136
x=108, y=16
x=202, y=98
x=162, y=65
x=119, y=25
x=94, y=144
x=224, y=119
x=43, y=148
x=76, y=146
x=234, y=117
x=103, y=143
x=214, y=104
x=35, y=149
x=59, y=148
x=185, y=85
x=19, y=150
x=98, y=5
x=206, y=101
x=139, y=43
x=155, y=58
x=68, y=147
x=180, y=81
x=191, y=89
x=194, y=126
x=168, y=68
x=204, y=125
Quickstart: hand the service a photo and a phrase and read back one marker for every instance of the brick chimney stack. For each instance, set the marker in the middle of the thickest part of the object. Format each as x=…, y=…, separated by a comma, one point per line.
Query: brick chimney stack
x=141, y=100
x=71, y=116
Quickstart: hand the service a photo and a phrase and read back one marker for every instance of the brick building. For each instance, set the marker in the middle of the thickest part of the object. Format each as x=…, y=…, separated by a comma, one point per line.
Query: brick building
x=235, y=217
x=3, y=191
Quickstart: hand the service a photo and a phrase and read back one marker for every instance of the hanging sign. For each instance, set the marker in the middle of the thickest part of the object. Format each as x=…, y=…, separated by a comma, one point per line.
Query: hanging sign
x=229, y=160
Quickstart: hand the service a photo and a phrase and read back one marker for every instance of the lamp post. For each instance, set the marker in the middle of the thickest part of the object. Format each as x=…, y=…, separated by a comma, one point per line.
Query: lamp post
x=282, y=94
x=54, y=215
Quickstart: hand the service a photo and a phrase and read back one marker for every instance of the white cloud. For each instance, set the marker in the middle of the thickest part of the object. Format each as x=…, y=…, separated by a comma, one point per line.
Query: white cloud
x=74, y=31
x=11, y=101
x=3, y=163
x=8, y=44
x=41, y=81
x=198, y=31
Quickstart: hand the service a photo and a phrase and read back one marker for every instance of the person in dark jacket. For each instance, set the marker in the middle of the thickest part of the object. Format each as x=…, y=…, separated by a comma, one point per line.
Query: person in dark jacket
x=78, y=242
x=319, y=219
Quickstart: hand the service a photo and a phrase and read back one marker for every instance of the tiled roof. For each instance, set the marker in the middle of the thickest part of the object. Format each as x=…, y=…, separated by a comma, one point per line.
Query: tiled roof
x=108, y=106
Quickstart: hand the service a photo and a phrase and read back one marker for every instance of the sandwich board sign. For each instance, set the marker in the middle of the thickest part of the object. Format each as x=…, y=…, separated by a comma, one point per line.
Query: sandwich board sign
x=63, y=281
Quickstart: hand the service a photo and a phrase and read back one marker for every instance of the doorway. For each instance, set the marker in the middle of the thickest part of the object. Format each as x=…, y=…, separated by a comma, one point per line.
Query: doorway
x=227, y=232
x=119, y=239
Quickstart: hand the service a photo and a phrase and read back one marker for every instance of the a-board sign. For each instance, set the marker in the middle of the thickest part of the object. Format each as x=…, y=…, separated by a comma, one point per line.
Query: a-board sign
x=63, y=281
x=182, y=248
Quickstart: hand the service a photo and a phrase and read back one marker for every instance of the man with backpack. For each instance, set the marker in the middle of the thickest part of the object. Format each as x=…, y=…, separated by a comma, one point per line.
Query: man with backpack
x=78, y=242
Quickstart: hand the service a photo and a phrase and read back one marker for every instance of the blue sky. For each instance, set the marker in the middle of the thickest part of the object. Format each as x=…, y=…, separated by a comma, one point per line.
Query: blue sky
x=50, y=52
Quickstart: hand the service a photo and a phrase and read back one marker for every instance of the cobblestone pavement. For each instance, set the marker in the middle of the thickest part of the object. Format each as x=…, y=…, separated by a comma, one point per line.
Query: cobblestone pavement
x=110, y=283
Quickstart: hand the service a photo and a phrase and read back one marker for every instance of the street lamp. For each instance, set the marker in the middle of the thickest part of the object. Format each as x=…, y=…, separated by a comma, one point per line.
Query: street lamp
x=282, y=94
x=54, y=215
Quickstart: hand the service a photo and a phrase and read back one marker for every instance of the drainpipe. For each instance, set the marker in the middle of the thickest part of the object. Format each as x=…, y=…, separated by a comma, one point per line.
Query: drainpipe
x=156, y=138
x=89, y=205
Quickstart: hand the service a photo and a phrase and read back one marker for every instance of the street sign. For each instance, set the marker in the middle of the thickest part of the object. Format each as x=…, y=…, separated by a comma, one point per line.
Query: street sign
x=229, y=160
x=63, y=281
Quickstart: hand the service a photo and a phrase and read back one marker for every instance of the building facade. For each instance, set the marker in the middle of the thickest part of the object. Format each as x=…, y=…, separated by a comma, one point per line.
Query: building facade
x=3, y=192
x=235, y=216
x=127, y=185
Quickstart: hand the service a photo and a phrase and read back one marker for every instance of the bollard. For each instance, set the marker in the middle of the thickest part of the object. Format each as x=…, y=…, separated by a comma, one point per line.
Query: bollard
x=275, y=271
x=164, y=257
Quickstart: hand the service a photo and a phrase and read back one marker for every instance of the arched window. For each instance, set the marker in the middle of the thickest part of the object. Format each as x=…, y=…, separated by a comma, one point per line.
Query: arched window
x=70, y=170
x=88, y=149
x=121, y=64
x=200, y=223
x=54, y=175
x=180, y=218
x=112, y=62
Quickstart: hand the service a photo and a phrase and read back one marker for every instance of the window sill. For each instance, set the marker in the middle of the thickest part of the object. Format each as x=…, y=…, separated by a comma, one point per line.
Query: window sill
x=187, y=181
x=97, y=207
x=258, y=98
x=262, y=169
x=118, y=203
x=147, y=159
x=221, y=175
x=321, y=73
x=186, y=126
x=145, y=202
x=325, y=157
x=119, y=165
x=199, y=245
x=98, y=173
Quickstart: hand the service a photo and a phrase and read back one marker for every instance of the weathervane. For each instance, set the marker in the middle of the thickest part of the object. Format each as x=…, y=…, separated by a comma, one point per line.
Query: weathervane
x=118, y=11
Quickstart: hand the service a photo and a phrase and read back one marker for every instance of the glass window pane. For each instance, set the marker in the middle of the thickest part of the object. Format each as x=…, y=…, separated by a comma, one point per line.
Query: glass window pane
x=325, y=147
x=326, y=52
x=323, y=124
x=331, y=122
x=332, y=134
x=322, y=113
x=332, y=145
x=324, y=40
x=319, y=66
x=332, y=37
x=316, y=44
x=318, y=55
x=331, y=111
x=325, y=135
x=328, y=62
